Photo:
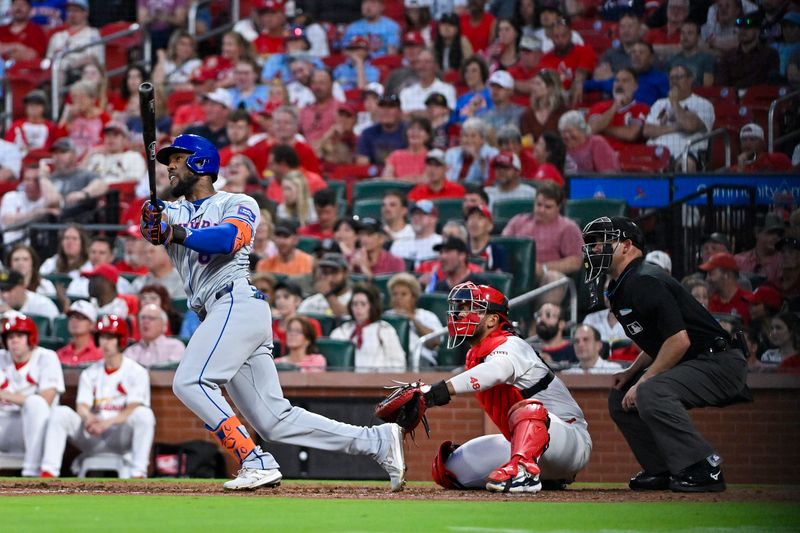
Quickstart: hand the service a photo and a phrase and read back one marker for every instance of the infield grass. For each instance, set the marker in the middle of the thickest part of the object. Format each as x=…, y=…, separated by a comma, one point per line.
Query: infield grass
x=198, y=514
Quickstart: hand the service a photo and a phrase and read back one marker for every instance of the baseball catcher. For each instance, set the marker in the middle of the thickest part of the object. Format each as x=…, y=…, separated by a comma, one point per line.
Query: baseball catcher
x=544, y=434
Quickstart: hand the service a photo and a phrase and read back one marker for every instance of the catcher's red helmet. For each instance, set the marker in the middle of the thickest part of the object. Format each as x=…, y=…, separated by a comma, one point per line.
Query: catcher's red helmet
x=17, y=322
x=113, y=325
x=467, y=305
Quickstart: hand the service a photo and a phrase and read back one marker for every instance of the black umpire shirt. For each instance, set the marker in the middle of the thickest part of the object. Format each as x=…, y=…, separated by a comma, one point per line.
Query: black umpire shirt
x=653, y=306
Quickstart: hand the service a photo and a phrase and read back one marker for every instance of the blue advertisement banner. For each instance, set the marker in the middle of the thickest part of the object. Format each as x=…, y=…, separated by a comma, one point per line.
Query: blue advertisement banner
x=636, y=191
x=770, y=189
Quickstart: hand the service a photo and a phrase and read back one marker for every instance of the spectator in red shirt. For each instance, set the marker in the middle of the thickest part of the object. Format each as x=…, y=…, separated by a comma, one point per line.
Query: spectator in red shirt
x=22, y=40
x=35, y=131
x=436, y=185
x=477, y=25
x=284, y=159
x=84, y=121
x=272, y=20
x=666, y=39
x=591, y=153
x=509, y=139
x=530, y=55
x=621, y=119
x=371, y=259
x=81, y=349
x=573, y=62
x=754, y=156
x=325, y=206
x=722, y=274
x=240, y=131
x=551, y=152
x=284, y=131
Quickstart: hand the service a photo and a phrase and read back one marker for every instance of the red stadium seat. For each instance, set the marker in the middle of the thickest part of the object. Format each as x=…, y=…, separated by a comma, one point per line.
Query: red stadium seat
x=392, y=61
x=452, y=76
x=23, y=77
x=717, y=94
x=644, y=158
x=334, y=60
x=118, y=50
x=352, y=173
x=177, y=99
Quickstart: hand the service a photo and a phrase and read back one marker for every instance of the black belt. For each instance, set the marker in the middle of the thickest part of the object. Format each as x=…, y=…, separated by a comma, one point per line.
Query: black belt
x=541, y=385
x=227, y=289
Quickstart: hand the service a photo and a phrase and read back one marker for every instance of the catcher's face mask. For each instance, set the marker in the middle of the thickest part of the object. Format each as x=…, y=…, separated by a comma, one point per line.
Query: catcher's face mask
x=600, y=241
x=465, y=310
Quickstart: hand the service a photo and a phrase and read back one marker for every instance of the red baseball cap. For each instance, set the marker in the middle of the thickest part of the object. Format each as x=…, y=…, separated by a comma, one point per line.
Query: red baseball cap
x=106, y=271
x=359, y=41
x=268, y=5
x=413, y=38
x=483, y=210
x=722, y=260
x=347, y=108
x=507, y=159
x=768, y=296
x=203, y=74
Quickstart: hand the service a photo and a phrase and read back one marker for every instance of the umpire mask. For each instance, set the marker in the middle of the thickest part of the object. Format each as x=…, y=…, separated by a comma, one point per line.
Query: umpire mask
x=600, y=240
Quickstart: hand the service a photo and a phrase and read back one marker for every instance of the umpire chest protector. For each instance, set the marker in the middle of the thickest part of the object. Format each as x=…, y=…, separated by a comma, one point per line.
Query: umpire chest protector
x=653, y=306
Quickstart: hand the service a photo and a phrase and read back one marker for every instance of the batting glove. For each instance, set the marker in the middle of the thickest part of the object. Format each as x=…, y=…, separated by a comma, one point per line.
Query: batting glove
x=152, y=213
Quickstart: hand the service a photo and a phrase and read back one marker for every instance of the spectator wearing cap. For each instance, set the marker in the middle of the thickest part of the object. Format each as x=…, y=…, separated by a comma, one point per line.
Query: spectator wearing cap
x=338, y=145
x=620, y=120
x=680, y=117
x=289, y=260
x=76, y=34
x=506, y=167
x=722, y=275
x=418, y=19
x=408, y=164
x=283, y=159
x=394, y=210
x=239, y=130
x=546, y=107
x=412, y=98
x=444, y=133
x=523, y=71
x=325, y=208
x=719, y=34
x=453, y=264
x=160, y=271
x=763, y=259
x=154, y=348
x=790, y=45
x=754, y=156
x=332, y=286
x=389, y=134
x=435, y=185
x=371, y=259
x=22, y=39
x=469, y=162
x=101, y=252
x=701, y=63
x=370, y=96
x=503, y=111
x=751, y=62
x=713, y=244
x=558, y=239
x=479, y=227
x=217, y=107
x=509, y=139
x=477, y=25
x=36, y=199
x=618, y=56
x=34, y=131
x=660, y=259
x=103, y=291
x=450, y=46
x=76, y=185
x=315, y=31
x=356, y=71
x=296, y=44
x=317, y=118
x=424, y=217
x=383, y=33
x=474, y=196
x=405, y=75
x=15, y=296
x=574, y=63
x=114, y=161
x=285, y=122
x=478, y=98
x=81, y=349
x=271, y=19
x=246, y=92
x=591, y=152
x=767, y=302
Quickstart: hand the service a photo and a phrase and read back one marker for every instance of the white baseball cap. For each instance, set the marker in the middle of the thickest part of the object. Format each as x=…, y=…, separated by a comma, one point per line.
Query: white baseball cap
x=751, y=131
x=84, y=308
x=374, y=87
x=220, y=96
x=502, y=78
x=659, y=258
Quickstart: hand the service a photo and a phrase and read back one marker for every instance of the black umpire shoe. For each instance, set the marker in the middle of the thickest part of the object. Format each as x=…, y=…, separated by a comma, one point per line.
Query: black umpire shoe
x=647, y=481
x=703, y=476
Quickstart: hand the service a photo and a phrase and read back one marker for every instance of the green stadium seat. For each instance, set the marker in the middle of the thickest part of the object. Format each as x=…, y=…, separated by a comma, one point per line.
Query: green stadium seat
x=436, y=303
x=450, y=209
x=402, y=327
x=339, y=354
x=382, y=282
x=585, y=210
x=60, y=329
x=499, y=280
x=449, y=359
x=410, y=264
x=326, y=322
x=340, y=188
x=507, y=209
x=52, y=343
x=130, y=276
x=376, y=188
x=64, y=279
x=42, y=324
x=308, y=244
x=368, y=207
x=181, y=305
x=522, y=257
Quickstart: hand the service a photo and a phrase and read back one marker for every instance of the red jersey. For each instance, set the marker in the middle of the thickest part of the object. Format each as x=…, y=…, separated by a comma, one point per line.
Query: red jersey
x=90, y=353
x=738, y=305
x=632, y=113
x=522, y=74
x=315, y=230
x=579, y=57
x=31, y=35
x=769, y=162
x=547, y=171
x=267, y=45
x=478, y=36
x=32, y=136
x=258, y=154
x=423, y=192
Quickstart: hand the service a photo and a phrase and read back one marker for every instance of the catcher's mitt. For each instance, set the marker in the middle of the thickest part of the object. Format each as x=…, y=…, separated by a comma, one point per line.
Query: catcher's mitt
x=405, y=406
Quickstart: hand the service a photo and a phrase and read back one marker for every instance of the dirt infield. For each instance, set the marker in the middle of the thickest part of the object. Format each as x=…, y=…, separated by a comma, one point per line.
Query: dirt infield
x=372, y=491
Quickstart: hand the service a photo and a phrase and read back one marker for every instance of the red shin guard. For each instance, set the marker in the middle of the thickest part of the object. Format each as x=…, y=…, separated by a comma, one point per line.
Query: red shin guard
x=529, y=424
x=234, y=438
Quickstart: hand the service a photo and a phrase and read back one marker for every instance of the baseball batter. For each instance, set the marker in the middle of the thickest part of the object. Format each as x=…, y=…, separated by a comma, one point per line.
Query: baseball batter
x=208, y=236
x=544, y=434
x=30, y=384
x=112, y=411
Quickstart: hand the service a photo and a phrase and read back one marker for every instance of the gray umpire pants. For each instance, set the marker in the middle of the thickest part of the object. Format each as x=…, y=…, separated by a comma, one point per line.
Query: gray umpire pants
x=233, y=348
x=660, y=431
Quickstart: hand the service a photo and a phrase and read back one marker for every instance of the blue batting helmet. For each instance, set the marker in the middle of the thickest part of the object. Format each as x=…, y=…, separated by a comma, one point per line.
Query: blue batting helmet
x=203, y=158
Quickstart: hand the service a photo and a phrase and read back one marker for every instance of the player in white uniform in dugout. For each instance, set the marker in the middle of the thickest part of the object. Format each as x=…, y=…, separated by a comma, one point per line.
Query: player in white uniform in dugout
x=208, y=236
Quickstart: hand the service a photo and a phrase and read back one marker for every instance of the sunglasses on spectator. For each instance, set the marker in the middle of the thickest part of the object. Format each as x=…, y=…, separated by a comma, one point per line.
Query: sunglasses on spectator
x=747, y=22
